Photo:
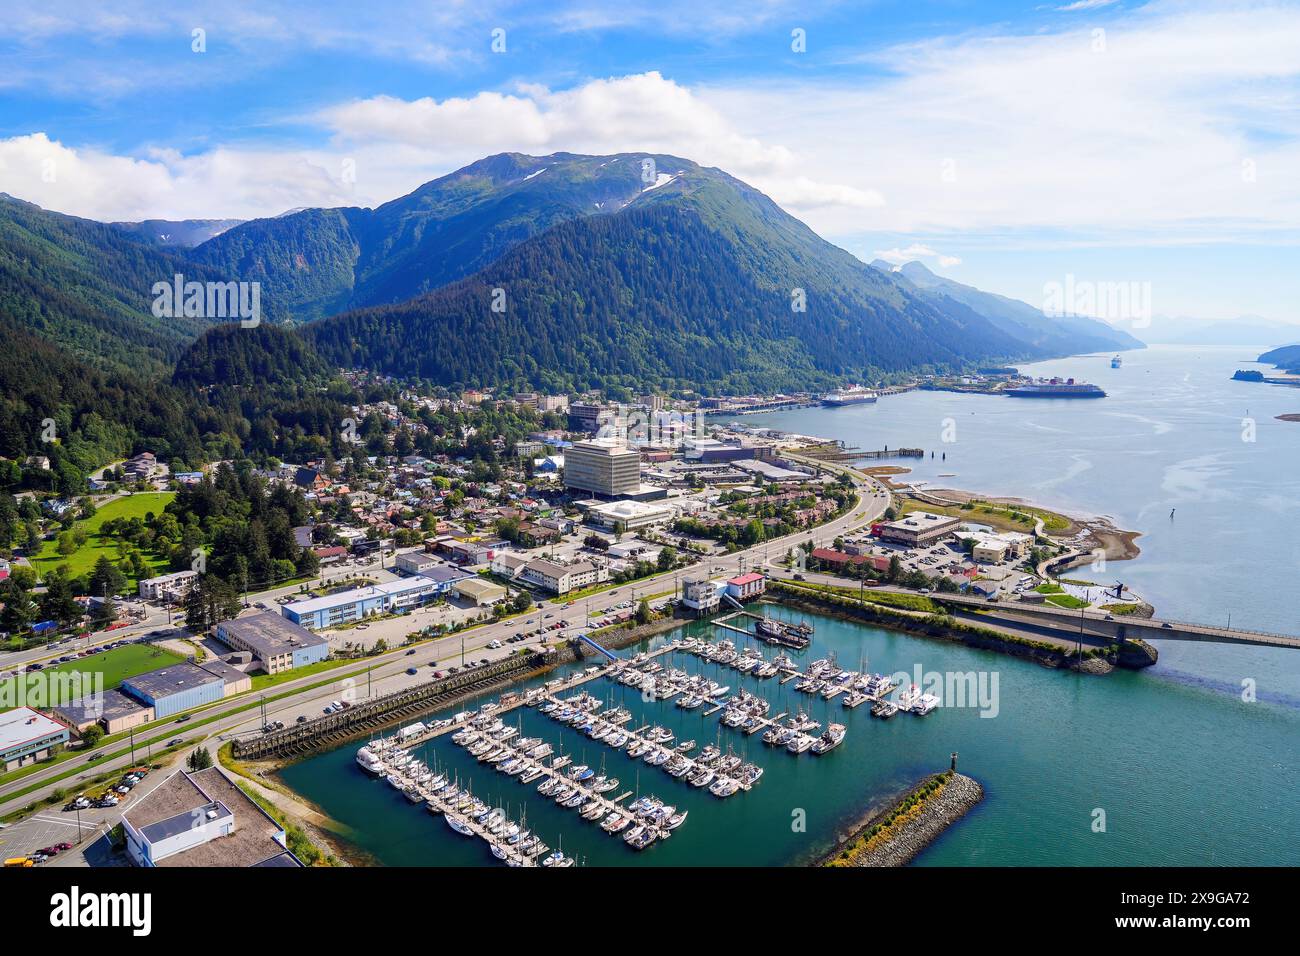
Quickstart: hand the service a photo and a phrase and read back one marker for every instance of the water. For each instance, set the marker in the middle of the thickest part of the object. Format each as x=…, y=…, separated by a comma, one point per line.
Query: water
x=1185, y=775
x=1184, y=771
x=1168, y=437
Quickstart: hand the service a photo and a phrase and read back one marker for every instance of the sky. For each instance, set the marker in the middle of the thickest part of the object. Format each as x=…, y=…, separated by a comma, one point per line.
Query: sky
x=1009, y=145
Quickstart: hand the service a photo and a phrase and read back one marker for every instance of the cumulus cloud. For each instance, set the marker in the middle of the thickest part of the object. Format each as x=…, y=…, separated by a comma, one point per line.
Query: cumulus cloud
x=1175, y=125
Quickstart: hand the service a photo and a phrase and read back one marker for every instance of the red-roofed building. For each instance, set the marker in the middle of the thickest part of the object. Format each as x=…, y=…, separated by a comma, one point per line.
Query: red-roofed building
x=746, y=586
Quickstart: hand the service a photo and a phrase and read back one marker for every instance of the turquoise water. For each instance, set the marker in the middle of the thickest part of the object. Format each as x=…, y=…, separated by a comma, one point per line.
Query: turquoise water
x=1185, y=775
x=1183, y=769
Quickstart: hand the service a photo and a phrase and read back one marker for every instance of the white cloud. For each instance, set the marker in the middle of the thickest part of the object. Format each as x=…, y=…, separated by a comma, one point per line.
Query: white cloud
x=1183, y=130
x=1086, y=5
x=898, y=257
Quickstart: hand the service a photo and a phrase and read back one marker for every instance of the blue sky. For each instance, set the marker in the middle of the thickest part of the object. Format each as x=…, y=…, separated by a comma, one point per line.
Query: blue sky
x=1004, y=144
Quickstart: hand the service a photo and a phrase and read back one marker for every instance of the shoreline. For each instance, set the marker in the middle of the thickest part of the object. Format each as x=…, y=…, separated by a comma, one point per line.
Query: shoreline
x=896, y=834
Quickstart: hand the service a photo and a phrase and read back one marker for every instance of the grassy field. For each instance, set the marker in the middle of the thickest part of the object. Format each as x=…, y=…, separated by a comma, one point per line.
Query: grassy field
x=83, y=559
x=1003, y=517
x=116, y=666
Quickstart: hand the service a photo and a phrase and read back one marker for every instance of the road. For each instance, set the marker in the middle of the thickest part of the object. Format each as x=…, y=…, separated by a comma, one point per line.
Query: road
x=387, y=672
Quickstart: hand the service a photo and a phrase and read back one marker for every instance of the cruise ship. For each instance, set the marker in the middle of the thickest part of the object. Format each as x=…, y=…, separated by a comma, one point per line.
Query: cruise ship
x=853, y=395
x=1056, y=388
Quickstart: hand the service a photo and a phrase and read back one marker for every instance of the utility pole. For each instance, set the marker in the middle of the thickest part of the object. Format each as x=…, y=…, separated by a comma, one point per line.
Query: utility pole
x=132, y=761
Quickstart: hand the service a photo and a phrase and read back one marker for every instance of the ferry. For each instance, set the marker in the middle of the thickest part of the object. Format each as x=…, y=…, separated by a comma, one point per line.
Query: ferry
x=1056, y=388
x=853, y=395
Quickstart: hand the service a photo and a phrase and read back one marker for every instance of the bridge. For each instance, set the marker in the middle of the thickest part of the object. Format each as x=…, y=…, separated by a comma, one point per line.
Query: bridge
x=597, y=647
x=1119, y=627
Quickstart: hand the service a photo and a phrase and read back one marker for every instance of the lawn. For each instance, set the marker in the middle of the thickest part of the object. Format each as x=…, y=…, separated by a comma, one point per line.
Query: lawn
x=116, y=665
x=83, y=559
x=1067, y=601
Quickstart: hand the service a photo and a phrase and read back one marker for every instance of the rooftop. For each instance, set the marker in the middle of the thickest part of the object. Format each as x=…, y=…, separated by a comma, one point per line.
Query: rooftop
x=171, y=679
x=171, y=808
x=23, y=725
x=270, y=635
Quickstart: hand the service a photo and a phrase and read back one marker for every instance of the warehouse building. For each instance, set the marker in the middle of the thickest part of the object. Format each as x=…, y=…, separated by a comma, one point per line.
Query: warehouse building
x=480, y=592
x=175, y=688
x=277, y=644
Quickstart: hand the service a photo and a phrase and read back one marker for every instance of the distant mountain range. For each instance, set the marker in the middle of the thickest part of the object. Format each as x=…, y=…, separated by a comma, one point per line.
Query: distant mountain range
x=1246, y=331
x=633, y=269
x=1061, y=335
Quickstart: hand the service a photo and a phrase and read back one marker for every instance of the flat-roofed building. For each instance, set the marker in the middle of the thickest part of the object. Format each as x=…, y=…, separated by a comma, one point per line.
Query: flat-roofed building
x=603, y=466
x=277, y=643
x=413, y=562
x=745, y=587
x=345, y=607
x=702, y=596
x=918, y=528
x=202, y=819
x=629, y=515
x=176, y=687
x=479, y=591
x=168, y=587
x=27, y=736
x=112, y=710
x=994, y=548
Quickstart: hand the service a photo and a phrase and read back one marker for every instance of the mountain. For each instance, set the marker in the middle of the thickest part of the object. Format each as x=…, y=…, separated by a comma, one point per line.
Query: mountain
x=175, y=233
x=320, y=261
x=1063, y=335
x=688, y=283
x=1244, y=331
x=86, y=286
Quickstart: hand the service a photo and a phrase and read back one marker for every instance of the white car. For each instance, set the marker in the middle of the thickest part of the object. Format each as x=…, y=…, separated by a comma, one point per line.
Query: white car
x=493, y=645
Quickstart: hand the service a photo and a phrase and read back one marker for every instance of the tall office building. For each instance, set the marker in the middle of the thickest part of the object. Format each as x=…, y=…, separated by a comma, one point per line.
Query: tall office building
x=602, y=466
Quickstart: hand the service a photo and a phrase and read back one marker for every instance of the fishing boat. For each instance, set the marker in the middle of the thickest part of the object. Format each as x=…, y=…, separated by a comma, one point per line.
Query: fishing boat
x=799, y=743
x=832, y=738
x=884, y=709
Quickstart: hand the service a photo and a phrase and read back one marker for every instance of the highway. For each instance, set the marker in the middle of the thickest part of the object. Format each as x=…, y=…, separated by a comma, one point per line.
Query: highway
x=387, y=672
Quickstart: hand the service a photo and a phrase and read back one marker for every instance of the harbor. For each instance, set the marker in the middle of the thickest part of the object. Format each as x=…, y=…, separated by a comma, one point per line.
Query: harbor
x=1039, y=734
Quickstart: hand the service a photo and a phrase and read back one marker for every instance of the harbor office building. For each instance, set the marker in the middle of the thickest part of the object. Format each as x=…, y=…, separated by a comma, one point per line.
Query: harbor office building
x=917, y=528
x=345, y=607
x=203, y=819
x=26, y=737
x=276, y=643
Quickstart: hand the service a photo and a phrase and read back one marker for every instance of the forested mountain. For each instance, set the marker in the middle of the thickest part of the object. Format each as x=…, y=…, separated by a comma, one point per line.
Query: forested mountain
x=1058, y=335
x=87, y=286
x=319, y=261
x=691, y=293
x=233, y=355
x=98, y=415
x=1285, y=356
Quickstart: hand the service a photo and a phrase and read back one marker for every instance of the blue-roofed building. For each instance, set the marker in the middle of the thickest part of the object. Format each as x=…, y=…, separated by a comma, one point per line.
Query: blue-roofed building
x=177, y=687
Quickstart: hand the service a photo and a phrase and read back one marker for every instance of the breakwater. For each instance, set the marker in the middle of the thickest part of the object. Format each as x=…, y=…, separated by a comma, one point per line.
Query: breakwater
x=895, y=835
x=1093, y=660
